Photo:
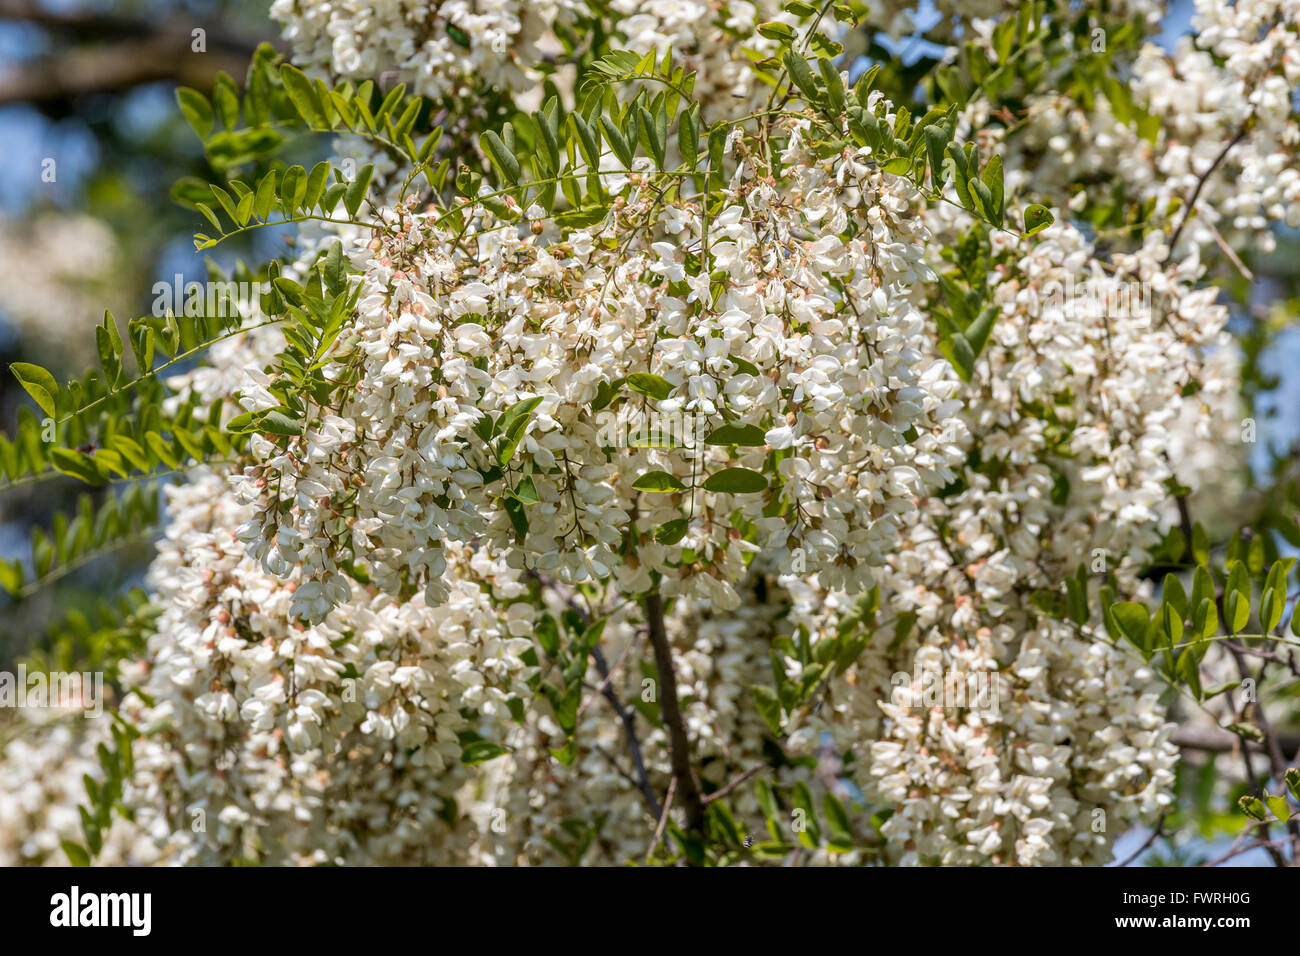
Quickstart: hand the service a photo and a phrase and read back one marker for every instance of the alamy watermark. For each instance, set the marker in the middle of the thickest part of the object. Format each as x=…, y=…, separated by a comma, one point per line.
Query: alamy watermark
x=82, y=690
x=226, y=299
x=1109, y=297
x=928, y=686
x=651, y=429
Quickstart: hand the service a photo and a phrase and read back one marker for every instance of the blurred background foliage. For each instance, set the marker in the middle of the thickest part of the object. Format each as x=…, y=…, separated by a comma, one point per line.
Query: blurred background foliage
x=92, y=144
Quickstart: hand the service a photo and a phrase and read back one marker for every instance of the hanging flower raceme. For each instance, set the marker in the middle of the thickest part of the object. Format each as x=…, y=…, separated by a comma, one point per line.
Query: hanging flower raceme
x=264, y=739
x=701, y=388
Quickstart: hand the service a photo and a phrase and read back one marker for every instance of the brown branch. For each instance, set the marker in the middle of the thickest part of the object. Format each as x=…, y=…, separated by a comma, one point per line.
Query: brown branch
x=629, y=731
x=1200, y=184
x=683, y=774
x=1268, y=845
x=663, y=819
x=719, y=794
x=1213, y=740
x=1146, y=844
x=110, y=54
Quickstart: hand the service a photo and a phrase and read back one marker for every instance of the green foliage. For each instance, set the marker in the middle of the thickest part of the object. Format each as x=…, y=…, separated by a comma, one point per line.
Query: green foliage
x=104, y=796
x=94, y=530
x=566, y=648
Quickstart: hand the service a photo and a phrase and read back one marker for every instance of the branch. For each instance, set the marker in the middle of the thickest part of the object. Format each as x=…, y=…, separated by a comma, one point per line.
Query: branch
x=663, y=819
x=1216, y=740
x=112, y=54
x=629, y=730
x=672, y=714
x=627, y=717
x=719, y=794
x=1268, y=845
x=1146, y=845
x=1200, y=184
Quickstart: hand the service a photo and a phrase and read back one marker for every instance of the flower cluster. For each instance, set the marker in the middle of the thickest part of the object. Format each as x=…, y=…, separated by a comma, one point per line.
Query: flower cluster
x=266, y=740
x=1228, y=133
x=43, y=766
x=438, y=47
x=784, y=317
x=453, y=47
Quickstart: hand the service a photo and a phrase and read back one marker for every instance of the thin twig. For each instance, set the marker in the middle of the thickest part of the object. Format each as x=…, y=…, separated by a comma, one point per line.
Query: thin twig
x=719, y=794
x=1146, y=845
x=663, y=818
x=1237, y=851
x=1200, y=184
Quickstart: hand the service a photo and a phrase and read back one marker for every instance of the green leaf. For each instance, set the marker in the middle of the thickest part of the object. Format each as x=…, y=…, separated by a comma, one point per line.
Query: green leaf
x=1236, y=598
x=775, y=30
x=810, y=836
x=481, y=751
x=303, y=95
x=802, y=75
x=277, y=422
x=1037, y=218
x=1132, y=619
x=1279, y=806
x=501, y=156
x=588, y=144
x=1205, y=621
x=292, y=186
x=519, y=410
x=652, y=386
x=958, y=352
x=837, y=822
x=356, y=190
x=655, y=134
x=769, y=707
x=511, y=440
x=688, y=136
x=834, y=85
x=1252, y=807
x=767, y=803
x=1200, y=545
x=316, y=184
x=617, y=142
x=77, y=855
x=737, y=433
x=162, y=451
x=658, y=481
x=40, y=385
x=226, y=100
x=937, y=139
x=77, y=464
x=548, y=635
x=518, y=517
x=1273, y=600
x=992, y=178
x=526, y=491
x=670, y=532
x=11, y=576
x=736, y=481
x=977, y=333
x=196, y=109
x=458, y=35
x=983, y=199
